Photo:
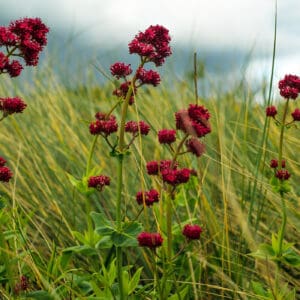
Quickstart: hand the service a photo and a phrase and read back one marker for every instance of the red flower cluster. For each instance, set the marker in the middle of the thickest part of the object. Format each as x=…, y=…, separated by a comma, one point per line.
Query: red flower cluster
x=103, y=124
x=289, y=86
x=194, y=120
x=274, y=163
x=271, y=111
x=175, y=177
x=148, y=77
x=167, y=136
x=148, y=197
x=5, y=172
x=153, y=167
x=98, y=182
x=283, y=174
x=119, y=69
x=150, y=240
x=12, y=105
x=22, y=38
x=152, y=44
x=296, y=114
x=22, y=285
x=135, y=127
x=192, y=232
x=195, y=146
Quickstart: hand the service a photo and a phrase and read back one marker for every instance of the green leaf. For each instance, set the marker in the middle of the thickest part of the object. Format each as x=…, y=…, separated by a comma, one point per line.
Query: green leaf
x=258, y=289
x=82, y=249
x=125, y=276
x=81, y=185
x=39, y=295
x=134, y=281
x=291, y=257
x=102, y=224
x=275, y=244
x=264, y=251
x=127, y=237
x=182, y=294
x=104, y=243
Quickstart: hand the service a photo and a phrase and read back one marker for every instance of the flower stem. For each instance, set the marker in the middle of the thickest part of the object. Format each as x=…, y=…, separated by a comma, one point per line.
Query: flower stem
x=88, y=165
x=283, y=225
x=282, y=133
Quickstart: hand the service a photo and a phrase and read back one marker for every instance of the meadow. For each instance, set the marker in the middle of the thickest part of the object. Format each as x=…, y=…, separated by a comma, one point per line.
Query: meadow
x=49, y=246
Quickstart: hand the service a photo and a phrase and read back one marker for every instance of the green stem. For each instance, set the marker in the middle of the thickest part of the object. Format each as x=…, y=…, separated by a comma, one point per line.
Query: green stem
x=283, y=125
x=88, y=165
x=283, y=225
x=169, y=216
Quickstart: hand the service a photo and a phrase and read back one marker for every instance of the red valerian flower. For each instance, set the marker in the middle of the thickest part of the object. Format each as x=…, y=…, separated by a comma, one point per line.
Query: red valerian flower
x=103, y=125
x=296, y=114
x=167, y=163
x=7, y=38
x=153, y=44
x=12, y=105
x=135, y=127
x=193, y=121
x=271, y=111
x=14, y=68
x=175, y=177
x=31, y=36
x=274, y=163
x=120, y=69
x=283, y=174
x=2, y=161
x=167, y=136
x=152, y=167
x=22, y=285
x=192, y=232
x=5, y=174
x=195, y=146
x=289, y=86
x=148, y=77
x=149, y=197
x=150, y=240
x=3, y=61
x=98, y=182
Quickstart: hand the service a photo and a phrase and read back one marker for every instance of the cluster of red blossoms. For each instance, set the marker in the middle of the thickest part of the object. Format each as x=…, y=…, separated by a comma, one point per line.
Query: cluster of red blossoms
x=98, y=182
x=289, y=88
x=149, y=198
x=5, y=173
x=281, y=173
x=152, y=45
x=104, y=124
x=24, y=38
x=192, y=232
x=150, y=240
x=22, y=285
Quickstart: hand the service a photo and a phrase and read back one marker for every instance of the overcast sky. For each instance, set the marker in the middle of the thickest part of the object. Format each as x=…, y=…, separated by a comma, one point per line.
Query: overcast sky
x=208, y=25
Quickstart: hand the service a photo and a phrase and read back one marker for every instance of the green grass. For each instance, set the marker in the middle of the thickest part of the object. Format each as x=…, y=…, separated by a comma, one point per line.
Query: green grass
x=51, y=139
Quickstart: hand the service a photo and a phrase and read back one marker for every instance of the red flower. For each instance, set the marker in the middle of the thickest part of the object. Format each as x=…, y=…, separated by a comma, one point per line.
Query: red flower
x=2, y=161
x=289, y=86
x=120, y=69
x=103, y=126
x=274, y=163
x=98, y=182
x=167, y=136
x=193, y=121
x=283, y=174
x=152, y=167
x=149, y=197
x=271, y=111
x=12, y=105
x=5, y=174
x=153, y=44
x=192, y=232
x=150, y=240
x=3, y=61
x=296, y=114
x=148, y=77
x=31, y=36
x=166, y=164
x=195, y=146
x=7, y=38
x=14, y=68
x=175, y=177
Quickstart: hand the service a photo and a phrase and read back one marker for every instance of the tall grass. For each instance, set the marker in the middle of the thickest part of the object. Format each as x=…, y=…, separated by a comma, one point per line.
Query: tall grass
x=51, y=139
